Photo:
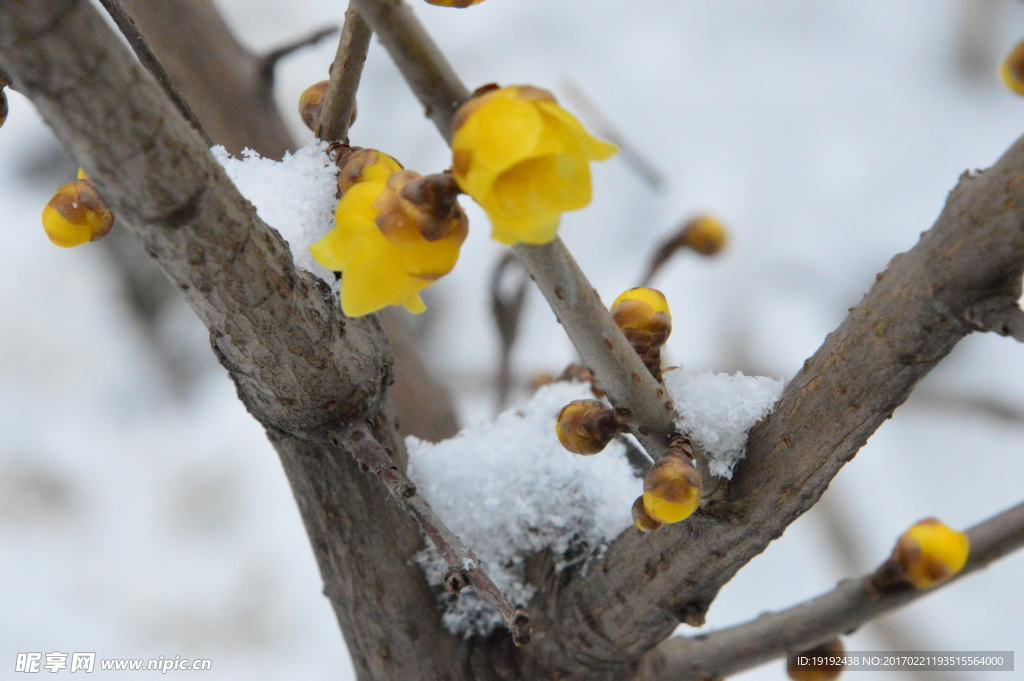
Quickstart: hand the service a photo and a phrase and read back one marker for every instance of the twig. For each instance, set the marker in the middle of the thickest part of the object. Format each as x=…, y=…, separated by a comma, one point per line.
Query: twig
x=606, y=129
x=507, y=309
x=1000, y=315
x=340, y=99
x=638, y=397
x=851, y=604
x=463, y=566
x=146, y=57
x=269, y=60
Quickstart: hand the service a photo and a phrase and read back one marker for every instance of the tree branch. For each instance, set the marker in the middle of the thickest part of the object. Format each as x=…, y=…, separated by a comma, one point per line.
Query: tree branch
x=340, y=99
x=463, y=565
x=221, y=80
x=999, y=314
x=300, y=368
x=152, y=64
x=734, y=649
x=269, y=60
x=639, y=398
x=913, y=316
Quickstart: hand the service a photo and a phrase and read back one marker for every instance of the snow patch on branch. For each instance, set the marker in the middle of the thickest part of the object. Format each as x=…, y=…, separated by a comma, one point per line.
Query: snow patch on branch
x=717, y=410
x=295, y=196
x=508, y=489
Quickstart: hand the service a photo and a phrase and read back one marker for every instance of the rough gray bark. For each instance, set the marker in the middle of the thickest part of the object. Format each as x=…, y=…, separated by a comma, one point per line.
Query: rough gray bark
x=304, y=371
x=300, y=368
x=212, y=83
x=729, y=651
x=224, y=82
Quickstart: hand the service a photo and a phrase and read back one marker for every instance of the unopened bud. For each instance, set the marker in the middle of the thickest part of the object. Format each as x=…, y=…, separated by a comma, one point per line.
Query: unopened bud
x=672, y=489
x=311, y=103
x=828, y=654
x=412, y=208
x=586, y=426
x=1012, y=69
x=454, y=3
x=76, y=214
x=356, y=164
x=704, y=234
x=643, y=315
x=926, y=555
x=642, y=519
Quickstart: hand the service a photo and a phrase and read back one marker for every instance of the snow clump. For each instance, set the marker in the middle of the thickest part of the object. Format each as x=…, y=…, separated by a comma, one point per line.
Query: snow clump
x=509, y=489
x=295, y=196
x=717, y=410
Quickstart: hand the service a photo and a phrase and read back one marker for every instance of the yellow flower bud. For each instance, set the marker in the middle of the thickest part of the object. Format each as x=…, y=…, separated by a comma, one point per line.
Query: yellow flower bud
x=704, y=234
x=927, y=554
x=642, y=519
x=672, y=489
x=816, y=672
x=395, y=234
x=1012, y=69
x=311, y=103
x=586, y=426
x=357, y=164
x=524, y=159
x=454, y=3
x=643, y=315
x=76, y=214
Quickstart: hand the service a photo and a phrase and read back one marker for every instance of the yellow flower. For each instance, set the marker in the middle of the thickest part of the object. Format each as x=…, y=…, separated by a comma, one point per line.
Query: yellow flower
x=76, y=214
x=930, y=553
x=388, y=241
x=525, y=160
x=1012, y=69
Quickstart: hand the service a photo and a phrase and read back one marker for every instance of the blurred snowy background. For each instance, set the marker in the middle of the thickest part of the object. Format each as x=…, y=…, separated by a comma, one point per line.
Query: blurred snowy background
x=142, y=512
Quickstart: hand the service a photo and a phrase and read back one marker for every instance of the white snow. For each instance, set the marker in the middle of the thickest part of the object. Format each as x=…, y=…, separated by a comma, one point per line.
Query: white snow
x=717, y=410
x=508, y=489
x=295, y=196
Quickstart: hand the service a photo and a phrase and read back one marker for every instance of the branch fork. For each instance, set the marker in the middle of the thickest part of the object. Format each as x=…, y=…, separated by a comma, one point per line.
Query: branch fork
x=463, y=567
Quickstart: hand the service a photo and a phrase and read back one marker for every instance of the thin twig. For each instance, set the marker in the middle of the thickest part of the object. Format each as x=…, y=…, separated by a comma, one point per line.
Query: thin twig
x=640, y=400
x=607, y=130
x=507, y=310
x=146, y=57
x=1000, y=314
x=463, y=566
x=340, y=99
x=801, y=627
x=269, y=60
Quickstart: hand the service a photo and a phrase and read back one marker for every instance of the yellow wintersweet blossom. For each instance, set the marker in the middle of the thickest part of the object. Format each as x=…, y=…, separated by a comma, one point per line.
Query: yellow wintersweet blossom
x=388, y=246
x=524, y=159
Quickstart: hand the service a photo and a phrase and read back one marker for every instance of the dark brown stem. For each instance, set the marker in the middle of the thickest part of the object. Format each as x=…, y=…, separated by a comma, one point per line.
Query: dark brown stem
x=148, y=59
x=838, y=612
x=463, y=565
x=340, y=99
